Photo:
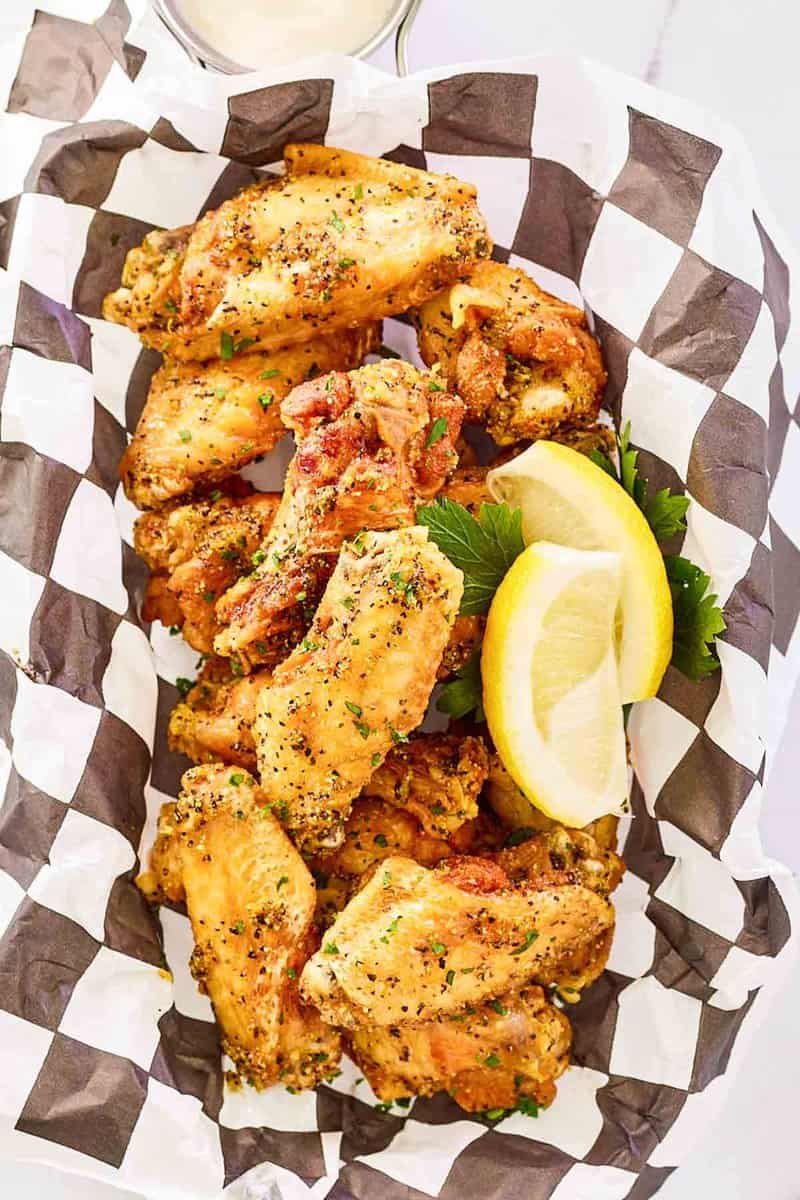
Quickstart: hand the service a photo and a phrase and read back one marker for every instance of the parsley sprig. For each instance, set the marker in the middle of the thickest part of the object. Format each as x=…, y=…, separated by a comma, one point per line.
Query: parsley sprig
x=698, y=619
x=464, y=693
x=483, y=549
x=664, y=511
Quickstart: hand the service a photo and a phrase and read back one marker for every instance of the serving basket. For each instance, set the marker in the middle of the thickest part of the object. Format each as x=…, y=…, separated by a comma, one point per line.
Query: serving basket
x=612, y=195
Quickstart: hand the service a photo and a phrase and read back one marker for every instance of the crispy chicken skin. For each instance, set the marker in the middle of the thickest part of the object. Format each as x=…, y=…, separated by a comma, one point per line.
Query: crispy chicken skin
x=339, y=240
x=436, y=777
x=196, y=552
x=328, y=718
x=488, y=1058
x=251, y=901
x=414, y=944
x=372, y=445
x=214, y=721
x=373, y=831
x=202, y=421
x=522, y=360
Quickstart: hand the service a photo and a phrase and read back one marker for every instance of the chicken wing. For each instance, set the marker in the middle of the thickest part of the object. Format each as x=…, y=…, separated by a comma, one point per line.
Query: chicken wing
x=214, y=721
x=522, y=360
x=358, y=685
x=371, y=446
x=436, y=777
x=373, y=831
x=489, y=1057
x=195, y=552
x=251, y=901
x=414, y=944
x=202, y=421
x=340, y=239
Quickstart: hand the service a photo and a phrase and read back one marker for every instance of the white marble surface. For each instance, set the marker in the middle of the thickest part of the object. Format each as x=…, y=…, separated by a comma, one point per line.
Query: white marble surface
x=739, y=59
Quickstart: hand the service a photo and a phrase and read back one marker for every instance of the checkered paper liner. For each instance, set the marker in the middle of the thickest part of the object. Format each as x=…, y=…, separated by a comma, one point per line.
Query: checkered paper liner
x=610, y=194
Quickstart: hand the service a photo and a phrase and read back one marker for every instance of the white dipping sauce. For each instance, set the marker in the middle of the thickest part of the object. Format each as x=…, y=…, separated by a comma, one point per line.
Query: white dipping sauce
x=264, y=33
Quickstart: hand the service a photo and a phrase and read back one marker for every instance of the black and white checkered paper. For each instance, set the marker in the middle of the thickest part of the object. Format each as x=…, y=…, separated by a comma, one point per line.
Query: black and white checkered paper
x=610, y=194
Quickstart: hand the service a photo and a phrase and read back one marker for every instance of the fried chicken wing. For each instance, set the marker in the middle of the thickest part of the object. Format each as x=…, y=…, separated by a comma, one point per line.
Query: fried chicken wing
x=359, y=684
x=372, y=445
x=490, y=1057
x=339, y=240
x=214, y=721
x=436, y=777
x=202, y=421
x=373, y=831
x=250, y=899
x=522, y=360
x=195, y=553
x=414, y=944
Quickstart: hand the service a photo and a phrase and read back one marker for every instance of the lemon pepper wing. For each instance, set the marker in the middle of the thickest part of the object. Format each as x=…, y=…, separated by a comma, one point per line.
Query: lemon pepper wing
x=414, y=944
x=203, y=421
x=195, y=552
x=338, y=240
x=328, y=718
x=250, y=899
x=523, y=361
x=496, y=1055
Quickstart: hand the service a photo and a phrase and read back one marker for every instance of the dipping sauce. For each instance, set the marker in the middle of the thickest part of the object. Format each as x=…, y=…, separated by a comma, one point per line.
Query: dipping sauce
x=265, y=33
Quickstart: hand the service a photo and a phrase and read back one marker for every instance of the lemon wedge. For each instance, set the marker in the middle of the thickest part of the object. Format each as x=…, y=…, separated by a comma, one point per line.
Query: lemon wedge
x=550, y=681
x=567, y=499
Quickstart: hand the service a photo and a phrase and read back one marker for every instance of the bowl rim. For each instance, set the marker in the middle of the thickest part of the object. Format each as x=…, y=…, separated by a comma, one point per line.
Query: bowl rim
x=203, y=52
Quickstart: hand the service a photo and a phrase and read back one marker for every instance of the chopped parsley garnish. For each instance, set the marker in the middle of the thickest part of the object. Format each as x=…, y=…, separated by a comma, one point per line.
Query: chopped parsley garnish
x=184, y=685
x=171, y=306
x=435, y=386
x=258, y=557
x=491, y=1061
x=174, y=630
x=380, y=838
x=185, y=435
x=327, y=295
x=228, y=347
x=390, y=929
x=406, y=586
x=220, y=393
x=498, y=1007
x=291, y=972
x=358, y=192
x=344, y=263
x=363, y=729
x=265, y=399
x=438, y=948
x=270, y=374
x=230, y=554
x=376, y=760
x=236, y=779
x=215, y=496
x=449, y=978
x=397, y=737
x=438, y=430
x=209, y=597
x=528, y=940
x=283, y=879
x=355, y=709
x=238, y=927
x=330, y=948
x=527, y=1106
x=483, y=549
x=494, y=1114
x=337, y=223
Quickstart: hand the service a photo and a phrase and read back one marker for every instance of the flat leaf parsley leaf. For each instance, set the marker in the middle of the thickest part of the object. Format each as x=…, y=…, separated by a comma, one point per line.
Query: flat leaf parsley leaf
x=663, y=511
x=464, y=693
x=483, y=549
x=698, y=619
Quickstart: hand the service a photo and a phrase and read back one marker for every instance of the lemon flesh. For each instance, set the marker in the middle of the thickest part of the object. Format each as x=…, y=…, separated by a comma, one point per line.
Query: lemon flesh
x=567, y=499
x=550, y=681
